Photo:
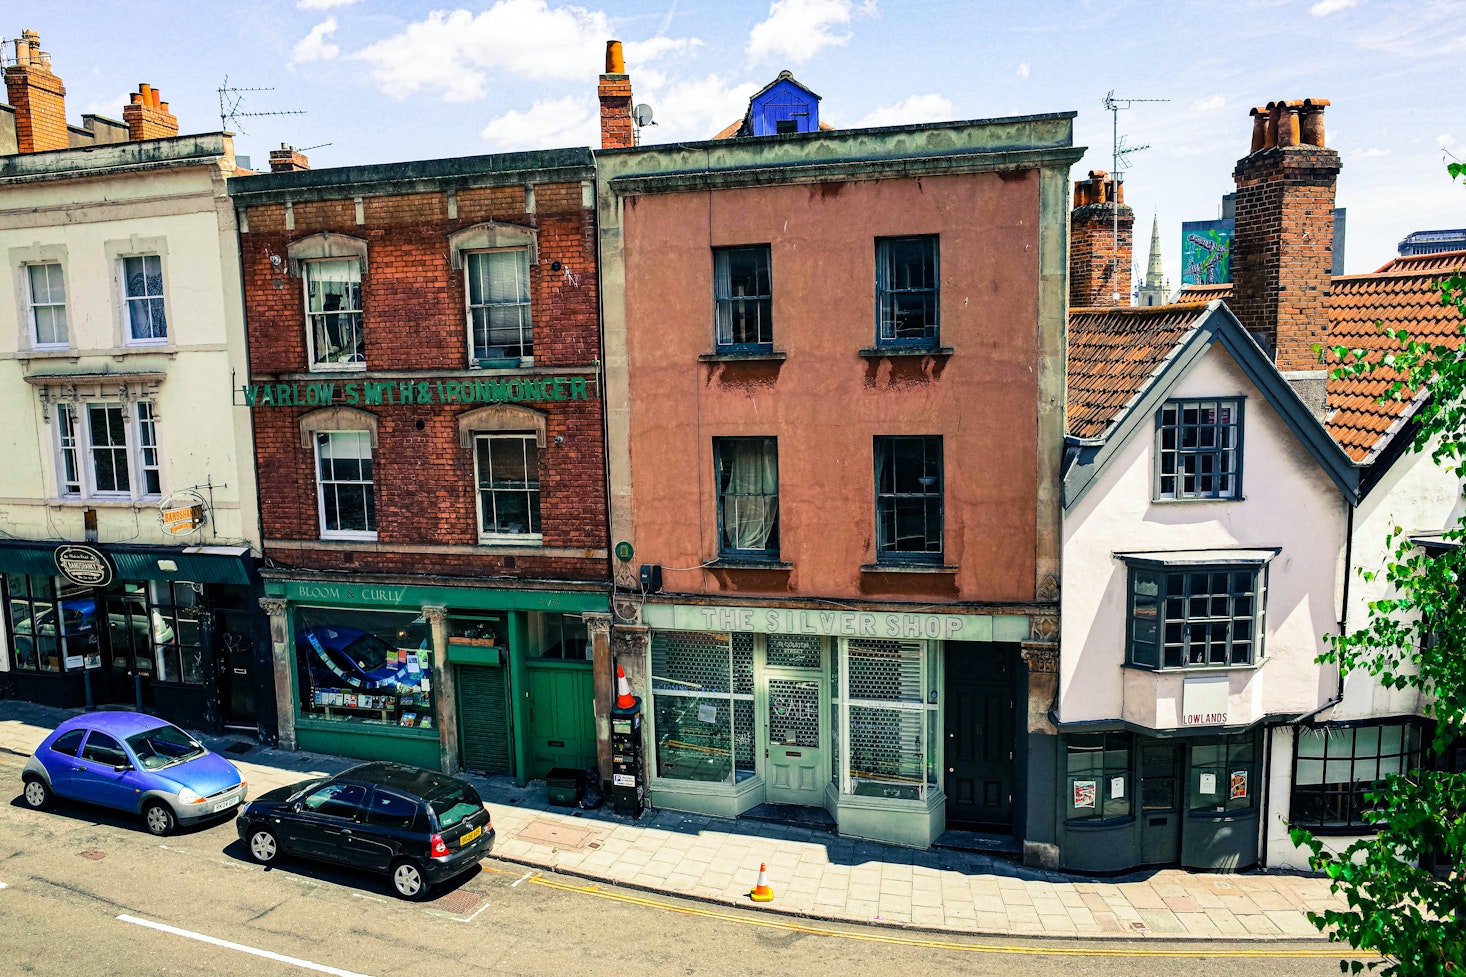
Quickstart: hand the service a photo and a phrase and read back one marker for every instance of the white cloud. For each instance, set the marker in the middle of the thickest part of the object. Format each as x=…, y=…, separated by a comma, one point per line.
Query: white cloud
x=110, y=108
x=1445, y=140
x=917, y=108
x=1023, y=70
x=315, y=47
x=1369, y=153
x=452, y=52
x=691, y=108
x=572, y=121
x=800, y=29
x=323, y=4
x=1209, y=104
x=1325, y=7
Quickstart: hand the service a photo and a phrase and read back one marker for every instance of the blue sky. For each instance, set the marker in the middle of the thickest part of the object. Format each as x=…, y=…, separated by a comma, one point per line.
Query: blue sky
x=383, y=81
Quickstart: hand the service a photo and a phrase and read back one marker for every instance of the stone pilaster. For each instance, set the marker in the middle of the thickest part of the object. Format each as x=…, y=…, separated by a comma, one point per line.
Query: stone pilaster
x=598, y=627
x=445, y=693
x=281, y=655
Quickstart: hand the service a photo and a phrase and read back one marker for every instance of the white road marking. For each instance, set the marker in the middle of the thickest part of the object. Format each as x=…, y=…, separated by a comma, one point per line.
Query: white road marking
x=520, y=879
x=363, y=895
x=3, y=886
x=267, y=954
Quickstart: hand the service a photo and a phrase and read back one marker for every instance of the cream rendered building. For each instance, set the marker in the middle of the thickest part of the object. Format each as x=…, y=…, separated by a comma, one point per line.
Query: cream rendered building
x=121, y=337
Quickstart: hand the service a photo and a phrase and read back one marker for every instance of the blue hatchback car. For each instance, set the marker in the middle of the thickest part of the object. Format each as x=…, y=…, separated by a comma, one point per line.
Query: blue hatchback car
x=133, y=762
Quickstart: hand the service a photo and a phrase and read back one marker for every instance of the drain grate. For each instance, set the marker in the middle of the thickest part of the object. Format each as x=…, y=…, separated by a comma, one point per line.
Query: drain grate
x=460, y=902
x=93, y=854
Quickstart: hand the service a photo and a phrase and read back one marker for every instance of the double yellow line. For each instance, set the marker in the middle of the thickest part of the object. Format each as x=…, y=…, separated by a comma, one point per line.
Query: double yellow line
x=891, y=939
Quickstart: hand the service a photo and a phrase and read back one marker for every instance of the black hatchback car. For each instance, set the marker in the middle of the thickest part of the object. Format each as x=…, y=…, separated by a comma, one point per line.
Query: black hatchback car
x=418, y=827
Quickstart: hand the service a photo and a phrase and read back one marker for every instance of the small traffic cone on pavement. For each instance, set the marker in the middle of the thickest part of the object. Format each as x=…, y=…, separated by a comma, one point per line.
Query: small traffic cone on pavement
x=624, y=698
x=761, y=889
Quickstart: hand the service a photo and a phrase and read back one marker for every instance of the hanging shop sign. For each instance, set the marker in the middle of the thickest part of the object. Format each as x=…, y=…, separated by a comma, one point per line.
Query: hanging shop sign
x=369, y=393
x=1204, y=700
x=183, y=513
x=855, y=624
x=84, y=566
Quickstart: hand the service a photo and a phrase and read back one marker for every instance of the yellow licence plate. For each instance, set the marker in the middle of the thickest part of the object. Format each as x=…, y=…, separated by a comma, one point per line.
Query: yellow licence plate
x=470, y=836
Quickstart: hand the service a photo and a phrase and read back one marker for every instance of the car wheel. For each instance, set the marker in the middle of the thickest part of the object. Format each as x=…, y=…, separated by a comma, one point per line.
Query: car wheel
x=159, y=818
x=264, y=847
x=38, y=796
x=408, y=881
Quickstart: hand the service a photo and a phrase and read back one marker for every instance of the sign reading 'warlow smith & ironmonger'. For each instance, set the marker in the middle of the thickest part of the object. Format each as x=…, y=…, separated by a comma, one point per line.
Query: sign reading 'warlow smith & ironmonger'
x=365, y=392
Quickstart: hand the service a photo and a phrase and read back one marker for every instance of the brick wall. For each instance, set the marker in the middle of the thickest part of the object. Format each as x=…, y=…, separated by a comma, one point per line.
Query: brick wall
x=39, y=100
x=616, y=128
x=1093, y=277
x=1282, y=251
x=414, y=318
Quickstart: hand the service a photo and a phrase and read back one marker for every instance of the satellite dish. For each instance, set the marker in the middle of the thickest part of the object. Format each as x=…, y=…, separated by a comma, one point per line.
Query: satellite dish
x=642, y=114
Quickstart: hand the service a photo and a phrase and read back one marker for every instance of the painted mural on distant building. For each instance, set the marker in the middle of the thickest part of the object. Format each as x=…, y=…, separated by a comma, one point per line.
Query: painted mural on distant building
x=1206, y=251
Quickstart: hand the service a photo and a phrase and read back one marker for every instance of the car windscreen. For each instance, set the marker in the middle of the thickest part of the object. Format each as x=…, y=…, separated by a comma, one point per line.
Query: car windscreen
x=454, y=803
x=163, y=746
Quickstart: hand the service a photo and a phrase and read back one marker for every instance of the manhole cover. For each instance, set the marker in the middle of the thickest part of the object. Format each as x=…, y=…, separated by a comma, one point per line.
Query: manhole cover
x=460, y=902
x=1137, y=926
x=546, y=833
x=93, y=854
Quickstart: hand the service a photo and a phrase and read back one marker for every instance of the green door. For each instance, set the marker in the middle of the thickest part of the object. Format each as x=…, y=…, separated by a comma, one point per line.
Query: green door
x=483, y=718
x=562, y=720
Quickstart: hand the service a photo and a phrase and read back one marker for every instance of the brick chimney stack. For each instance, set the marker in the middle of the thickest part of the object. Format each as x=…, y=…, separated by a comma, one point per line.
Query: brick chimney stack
x=288, y=159
x=615, y=94
x=1282, y=251
x=147, y=116
x=1099, y=273
x=38, y=97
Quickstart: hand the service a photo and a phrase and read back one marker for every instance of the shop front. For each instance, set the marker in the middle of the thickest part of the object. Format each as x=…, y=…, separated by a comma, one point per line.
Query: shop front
x=171, y=631
x=1130, y=798
x=448, y=677
x=846, y=710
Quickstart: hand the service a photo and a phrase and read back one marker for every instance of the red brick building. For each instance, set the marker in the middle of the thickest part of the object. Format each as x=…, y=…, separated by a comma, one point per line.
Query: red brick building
x=424, y=384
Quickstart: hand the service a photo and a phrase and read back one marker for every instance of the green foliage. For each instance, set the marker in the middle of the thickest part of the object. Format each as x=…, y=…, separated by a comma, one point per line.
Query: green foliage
x=1415, y=918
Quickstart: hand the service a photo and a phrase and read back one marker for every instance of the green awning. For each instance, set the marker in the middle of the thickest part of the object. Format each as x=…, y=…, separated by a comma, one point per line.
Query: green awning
x=223, y=565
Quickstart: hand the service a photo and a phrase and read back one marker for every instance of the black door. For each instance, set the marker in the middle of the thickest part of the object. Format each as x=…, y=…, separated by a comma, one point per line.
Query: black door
x=390, y=824
x=323, y=824
x=128, y=650
x=1160, y=802
x=979, y=736
x=234, y=651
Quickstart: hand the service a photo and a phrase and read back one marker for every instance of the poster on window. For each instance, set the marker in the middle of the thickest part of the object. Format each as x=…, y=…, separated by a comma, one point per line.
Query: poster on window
x=1239, y=785
x=1117, y=787
x=1084, y=793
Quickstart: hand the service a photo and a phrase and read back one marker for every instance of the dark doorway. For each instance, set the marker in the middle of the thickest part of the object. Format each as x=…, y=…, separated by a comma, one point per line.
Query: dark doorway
x=1160, y=802
x=127, y=652
x=979, y=736
x=235, y=654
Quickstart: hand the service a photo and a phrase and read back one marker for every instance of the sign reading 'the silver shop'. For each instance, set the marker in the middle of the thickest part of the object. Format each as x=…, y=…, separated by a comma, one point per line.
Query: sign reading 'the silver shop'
x=852, y=623
x=85, y=566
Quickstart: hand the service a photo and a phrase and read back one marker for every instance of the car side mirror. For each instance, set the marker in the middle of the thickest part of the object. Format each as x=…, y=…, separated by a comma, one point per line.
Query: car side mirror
x=122, y=767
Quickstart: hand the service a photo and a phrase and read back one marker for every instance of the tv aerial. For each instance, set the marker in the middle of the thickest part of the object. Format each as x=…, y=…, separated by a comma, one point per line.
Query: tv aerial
x=1119, y=158
x=231, y=98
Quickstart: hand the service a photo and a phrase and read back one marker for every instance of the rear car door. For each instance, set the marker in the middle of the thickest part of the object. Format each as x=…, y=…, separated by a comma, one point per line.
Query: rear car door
x=392, y=824
x=96, y=779
x=323, y=821
x=62, y=760
x=460, y=814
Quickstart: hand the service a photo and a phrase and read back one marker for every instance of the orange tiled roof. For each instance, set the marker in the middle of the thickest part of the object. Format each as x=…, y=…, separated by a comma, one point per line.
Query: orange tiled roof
x=1205, y=293
x=1113, y=353
x=1401, y=295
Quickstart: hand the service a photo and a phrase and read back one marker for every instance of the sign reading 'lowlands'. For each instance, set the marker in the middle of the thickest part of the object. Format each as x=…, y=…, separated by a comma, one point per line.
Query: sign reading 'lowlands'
x=494, y=390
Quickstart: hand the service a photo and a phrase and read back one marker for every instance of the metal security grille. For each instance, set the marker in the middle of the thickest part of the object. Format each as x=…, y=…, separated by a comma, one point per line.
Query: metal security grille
x=483, y=718
x=702, y=688
x=886, y=670
x=690, y=662
x=887, y=719
x=794, y=712
x=743, y=664
x=792, y=651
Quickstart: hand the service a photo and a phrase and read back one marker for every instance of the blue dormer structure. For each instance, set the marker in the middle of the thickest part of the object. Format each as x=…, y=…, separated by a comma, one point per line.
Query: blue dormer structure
x=783, y=106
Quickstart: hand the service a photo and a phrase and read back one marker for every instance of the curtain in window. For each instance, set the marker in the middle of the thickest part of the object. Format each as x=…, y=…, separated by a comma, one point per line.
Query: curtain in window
x=751, y=493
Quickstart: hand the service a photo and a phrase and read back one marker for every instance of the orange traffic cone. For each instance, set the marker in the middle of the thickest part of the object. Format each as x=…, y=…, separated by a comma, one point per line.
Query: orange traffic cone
x=761, y=889
x=624, y=698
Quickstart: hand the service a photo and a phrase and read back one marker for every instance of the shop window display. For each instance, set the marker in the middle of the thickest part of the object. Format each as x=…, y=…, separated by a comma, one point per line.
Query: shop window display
x=702, y=692
x=177, y=631
x=365, y=666
x=1223, y=774
x=1338, y=766
x=36, y=636
x=892, y=741
x=1097, y=768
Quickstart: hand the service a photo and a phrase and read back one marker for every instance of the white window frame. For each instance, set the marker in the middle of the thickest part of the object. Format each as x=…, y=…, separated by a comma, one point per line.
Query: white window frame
x=126, y=301
x=78, y=417
x=527, y=330
x=357, y=534
x=486, y=536
x=31, y=304
x=315, y=365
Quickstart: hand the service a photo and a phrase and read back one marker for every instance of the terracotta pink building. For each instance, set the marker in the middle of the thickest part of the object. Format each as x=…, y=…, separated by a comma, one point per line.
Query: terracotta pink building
x=834, y=375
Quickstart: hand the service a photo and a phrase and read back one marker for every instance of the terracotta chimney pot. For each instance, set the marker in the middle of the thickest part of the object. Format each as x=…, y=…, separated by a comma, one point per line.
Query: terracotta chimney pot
x=1259, y=129
x=1274, y=114
x=615, y=60
x=1310, y=118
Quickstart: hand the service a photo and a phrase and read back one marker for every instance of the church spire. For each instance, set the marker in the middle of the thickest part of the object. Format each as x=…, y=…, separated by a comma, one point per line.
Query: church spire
x=1155, y=290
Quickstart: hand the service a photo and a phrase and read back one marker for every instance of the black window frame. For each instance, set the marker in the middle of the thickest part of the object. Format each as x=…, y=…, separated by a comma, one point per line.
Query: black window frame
x=368, y=814
x=322, y=811
x=1148, y=643
x=1240, y=754
x=891, y=288
x=75, y=751
x=722, y=474
x=888, y=500
x=113, y=756
x=1108, y=806
x=1225, y=453
x=729, y=308
x=1350, y=796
